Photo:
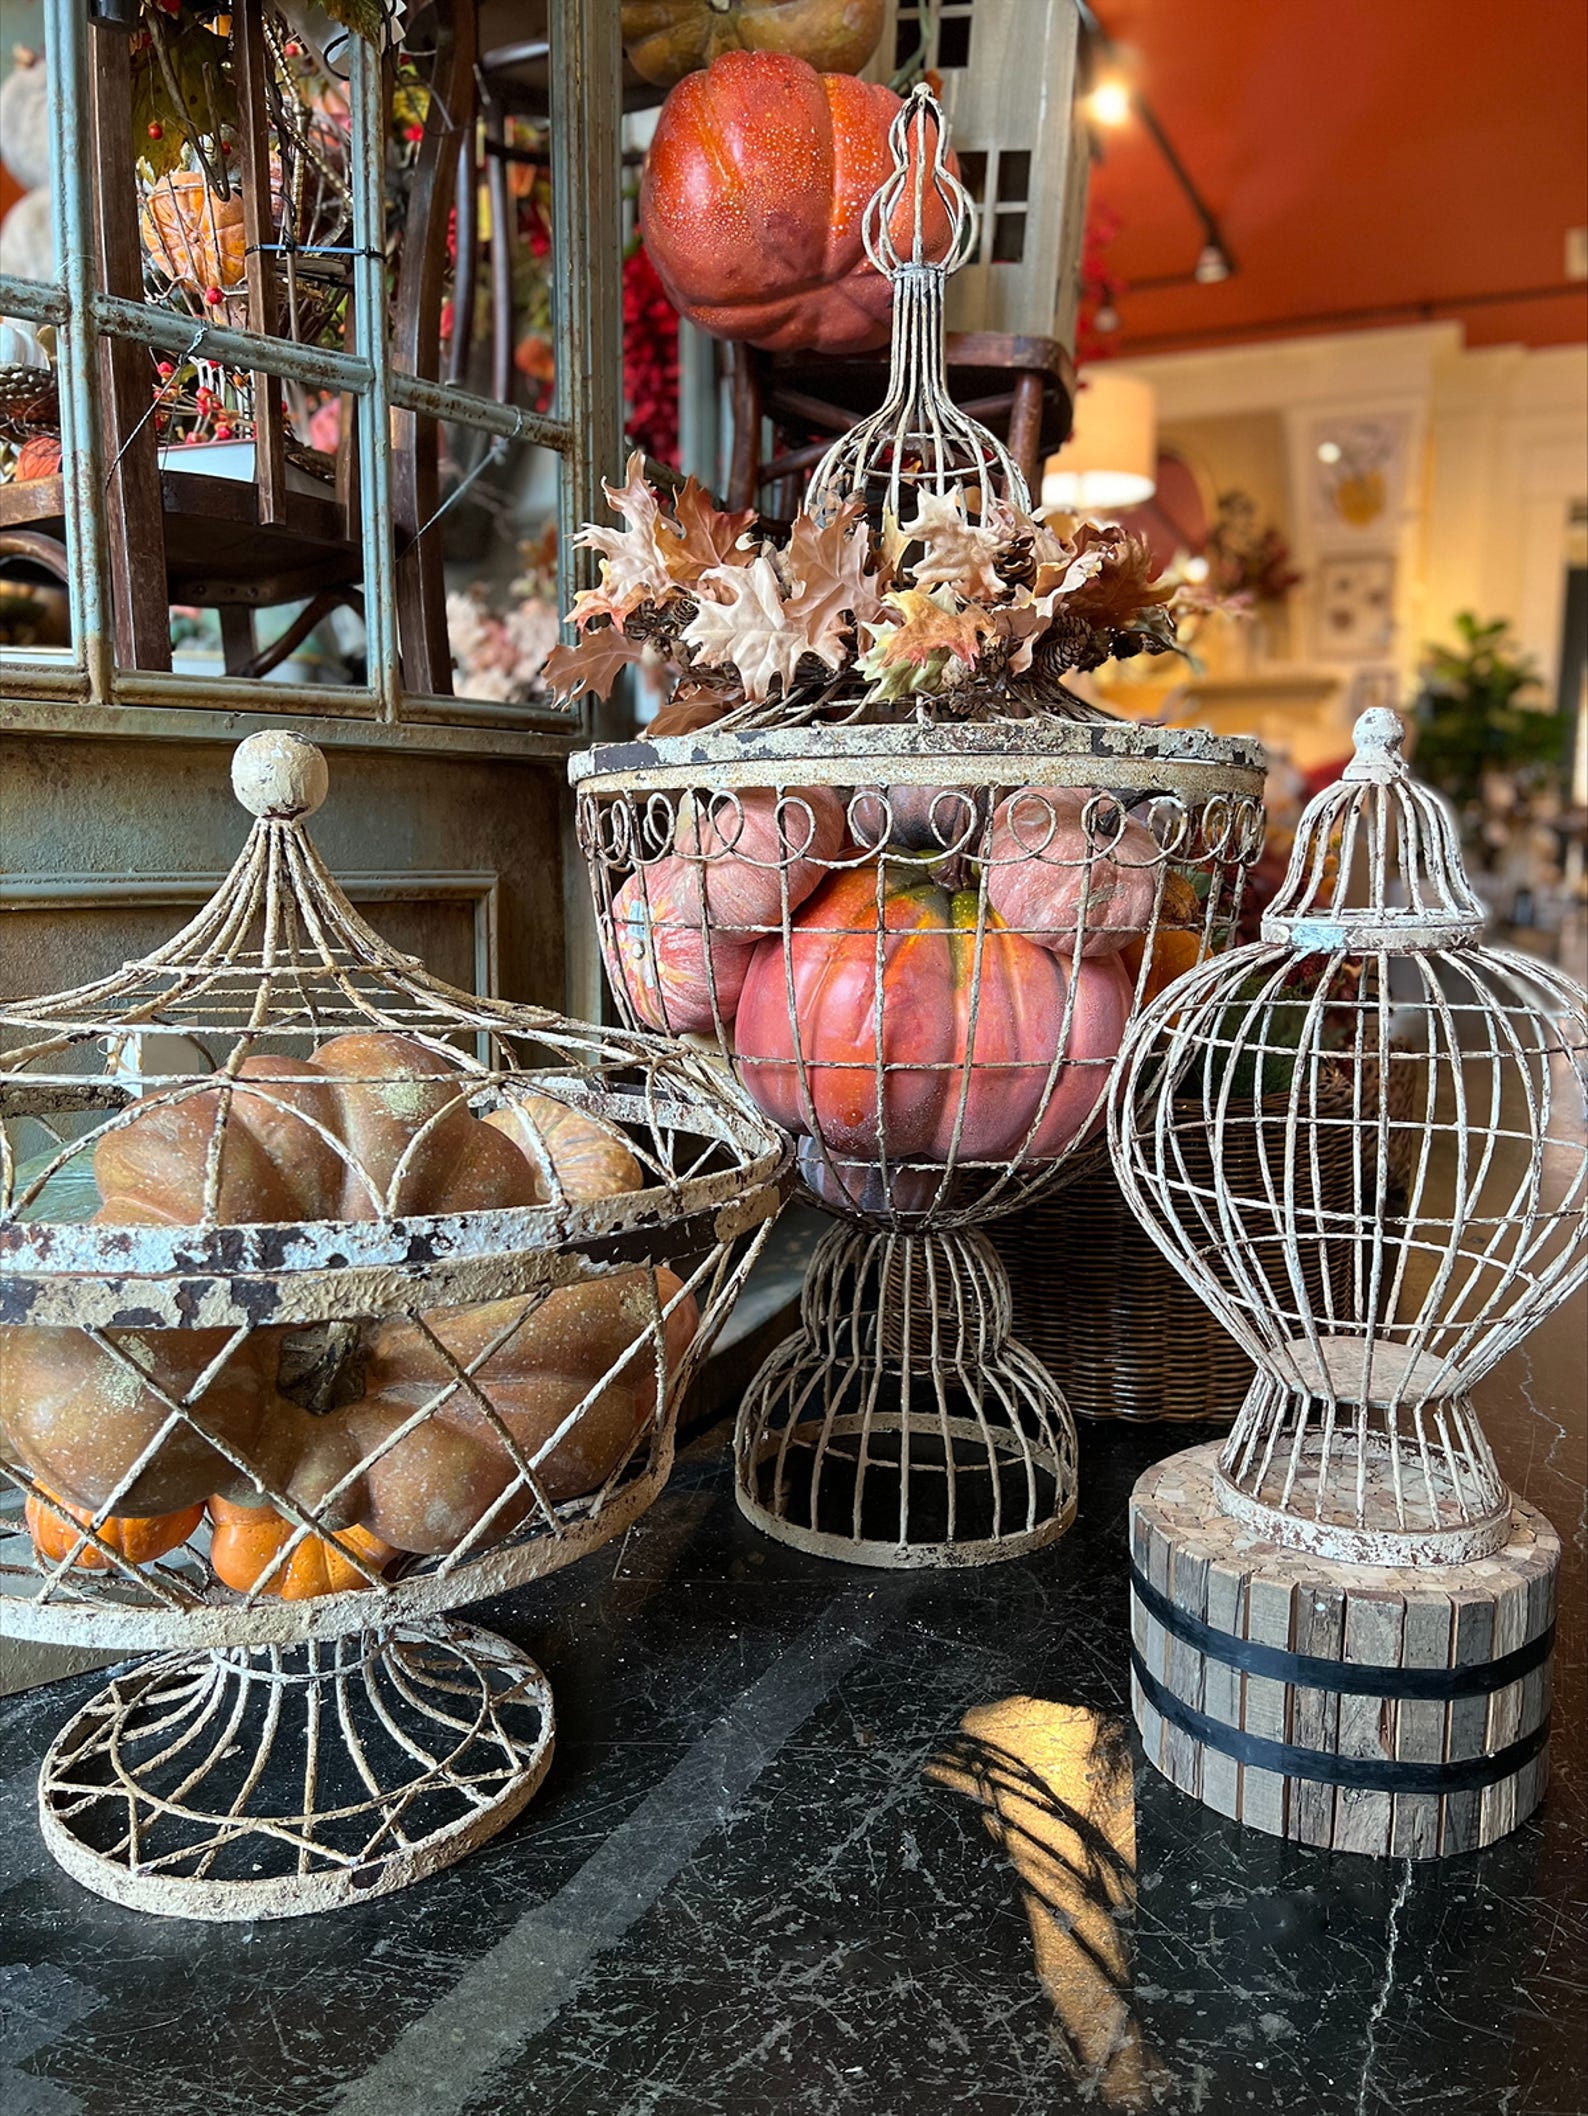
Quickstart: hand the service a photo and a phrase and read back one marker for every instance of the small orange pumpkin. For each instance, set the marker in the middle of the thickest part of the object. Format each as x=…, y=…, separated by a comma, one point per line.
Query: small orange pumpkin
x=246, y=1539
x=135, y=1537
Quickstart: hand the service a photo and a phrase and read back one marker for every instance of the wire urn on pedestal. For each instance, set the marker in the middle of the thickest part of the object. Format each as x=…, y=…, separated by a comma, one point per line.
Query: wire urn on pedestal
x=333, y=1298
x=1343, y=1619
x=913, y=889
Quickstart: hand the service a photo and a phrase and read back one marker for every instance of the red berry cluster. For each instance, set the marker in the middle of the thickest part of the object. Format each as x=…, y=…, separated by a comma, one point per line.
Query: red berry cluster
x=650, y=359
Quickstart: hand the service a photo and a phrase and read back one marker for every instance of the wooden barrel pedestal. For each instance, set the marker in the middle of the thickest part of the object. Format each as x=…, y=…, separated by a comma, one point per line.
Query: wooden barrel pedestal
x=1398, y=1711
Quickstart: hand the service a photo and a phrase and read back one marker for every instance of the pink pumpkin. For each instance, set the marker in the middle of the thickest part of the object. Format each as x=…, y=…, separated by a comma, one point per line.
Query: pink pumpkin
x=1041, y=863
x=658, y=956
x=741, y=845
x=888, y=1053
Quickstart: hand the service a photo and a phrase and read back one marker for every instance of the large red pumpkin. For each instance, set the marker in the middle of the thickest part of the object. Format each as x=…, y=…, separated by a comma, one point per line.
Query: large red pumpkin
x=752, y=198
x=938, y=1074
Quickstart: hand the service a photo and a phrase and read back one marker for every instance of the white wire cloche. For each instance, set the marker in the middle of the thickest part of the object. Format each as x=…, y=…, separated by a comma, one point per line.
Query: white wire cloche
x=1372, y=1301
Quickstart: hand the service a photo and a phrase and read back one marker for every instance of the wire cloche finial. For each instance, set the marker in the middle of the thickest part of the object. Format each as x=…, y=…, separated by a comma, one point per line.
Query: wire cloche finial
x=919, y=227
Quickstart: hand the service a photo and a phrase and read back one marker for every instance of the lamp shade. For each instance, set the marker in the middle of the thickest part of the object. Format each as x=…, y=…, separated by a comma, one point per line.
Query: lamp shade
x=1110, y=459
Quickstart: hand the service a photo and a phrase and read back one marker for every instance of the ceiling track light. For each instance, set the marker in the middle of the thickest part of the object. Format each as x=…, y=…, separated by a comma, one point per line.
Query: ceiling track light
x=1109, y=102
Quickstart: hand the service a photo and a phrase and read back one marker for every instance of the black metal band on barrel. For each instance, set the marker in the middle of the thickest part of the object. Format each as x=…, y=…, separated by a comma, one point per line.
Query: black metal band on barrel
x=1369, y=1774
x=1354, y=1678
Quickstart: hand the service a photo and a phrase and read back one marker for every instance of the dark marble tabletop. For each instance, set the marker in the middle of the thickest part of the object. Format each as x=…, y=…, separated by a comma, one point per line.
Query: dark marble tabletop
x=805, y=1847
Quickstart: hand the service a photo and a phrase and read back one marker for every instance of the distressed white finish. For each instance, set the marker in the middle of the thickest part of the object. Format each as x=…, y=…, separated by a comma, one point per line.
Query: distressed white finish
x=1460, y=1075
x=278, y=963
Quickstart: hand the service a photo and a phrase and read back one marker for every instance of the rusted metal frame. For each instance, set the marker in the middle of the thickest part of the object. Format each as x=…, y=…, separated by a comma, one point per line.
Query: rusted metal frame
x=587, y=337
x=54, y=702
x=587, y=326
x=425, y=653
x=501, y=248
x=82, y=451
x=367, y=95
x=136, y=528
x=253, y=140
x=315, y=366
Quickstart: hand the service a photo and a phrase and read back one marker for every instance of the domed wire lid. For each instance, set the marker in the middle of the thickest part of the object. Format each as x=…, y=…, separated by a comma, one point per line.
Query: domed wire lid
x=1376, y=866
x=278, y=964
x=918, y=441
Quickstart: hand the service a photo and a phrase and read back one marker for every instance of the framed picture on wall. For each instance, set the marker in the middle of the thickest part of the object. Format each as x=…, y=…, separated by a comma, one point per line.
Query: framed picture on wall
x=1358, y=471
x=1355, y=606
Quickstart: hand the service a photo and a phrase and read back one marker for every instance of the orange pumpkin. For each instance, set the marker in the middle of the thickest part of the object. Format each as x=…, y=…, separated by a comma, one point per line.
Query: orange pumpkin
x=247, y=1539
x=1177, y=946
x=665, y=39
x=751, y=202
x=136, y=1537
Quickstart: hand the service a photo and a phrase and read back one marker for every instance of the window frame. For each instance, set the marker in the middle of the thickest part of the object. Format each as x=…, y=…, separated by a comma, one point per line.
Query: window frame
x=88, y=692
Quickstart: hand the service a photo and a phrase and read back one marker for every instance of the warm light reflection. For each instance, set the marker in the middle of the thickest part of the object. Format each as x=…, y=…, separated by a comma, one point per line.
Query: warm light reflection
x=1054, y=1784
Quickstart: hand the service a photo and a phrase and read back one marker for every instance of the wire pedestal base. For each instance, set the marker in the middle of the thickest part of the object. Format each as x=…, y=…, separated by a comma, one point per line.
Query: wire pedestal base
x=1376, y=1459
x=901, y=1425
x=267, y=1782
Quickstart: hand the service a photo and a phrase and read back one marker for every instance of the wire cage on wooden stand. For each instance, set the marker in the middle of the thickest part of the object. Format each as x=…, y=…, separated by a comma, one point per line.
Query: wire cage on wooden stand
x=333, y=1298
x=916, y=909
x=1370, y=1015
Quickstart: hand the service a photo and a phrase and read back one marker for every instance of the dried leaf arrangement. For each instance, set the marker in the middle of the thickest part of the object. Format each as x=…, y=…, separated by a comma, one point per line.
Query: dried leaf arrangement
x=944, y=613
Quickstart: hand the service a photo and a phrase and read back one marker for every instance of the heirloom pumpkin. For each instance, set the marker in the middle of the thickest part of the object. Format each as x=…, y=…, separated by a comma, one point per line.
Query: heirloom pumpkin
x=1041, y=863
x=137, y=1538
x=569, y=1151
x=80, y=1419
x=373, y=1123
x=665, y=39
x=658, y=954
x=740, y=850
x=944, y=1085
x=752, y=198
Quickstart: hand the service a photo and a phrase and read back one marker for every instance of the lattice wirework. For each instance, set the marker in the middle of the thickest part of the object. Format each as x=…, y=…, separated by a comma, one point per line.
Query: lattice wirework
x=334, y=1297
x=380, y=1756
x=919, y=948
x=918, y=440
x=916, y=909
x=1458, y=1075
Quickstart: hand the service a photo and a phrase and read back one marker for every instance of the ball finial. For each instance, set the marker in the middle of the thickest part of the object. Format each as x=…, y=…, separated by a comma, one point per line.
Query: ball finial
x=1379, y=737
x=279, y=775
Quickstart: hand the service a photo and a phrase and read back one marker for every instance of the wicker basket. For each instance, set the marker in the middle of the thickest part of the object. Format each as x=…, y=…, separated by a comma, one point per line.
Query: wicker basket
x=1108, y=1315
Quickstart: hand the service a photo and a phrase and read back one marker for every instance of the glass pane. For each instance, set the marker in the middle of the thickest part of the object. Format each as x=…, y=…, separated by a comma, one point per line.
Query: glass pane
x=34, y=617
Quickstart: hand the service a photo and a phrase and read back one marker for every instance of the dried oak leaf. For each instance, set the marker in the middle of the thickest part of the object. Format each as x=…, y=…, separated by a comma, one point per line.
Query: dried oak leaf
x=750, y=627
x=690, y=709
x=1018, y=625
x=593, y=665
x=957, y=552
x=934, y=648
x=1107, y=578
x=932, y=624
x=829, y=588
x=707, y=537
x=633, y=560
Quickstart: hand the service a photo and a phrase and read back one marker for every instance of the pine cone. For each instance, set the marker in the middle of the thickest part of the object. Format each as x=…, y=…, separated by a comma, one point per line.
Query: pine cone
x=1068, y=643
x=1016, y=562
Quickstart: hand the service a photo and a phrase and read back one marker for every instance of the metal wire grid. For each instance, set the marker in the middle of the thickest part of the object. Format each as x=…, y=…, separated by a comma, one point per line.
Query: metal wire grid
x=271, y=1781
x=1459, y=1078
x=918, y=439
x=583, y=432
x=1202, y=842
x=902, y=1424
x=178, y=1318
